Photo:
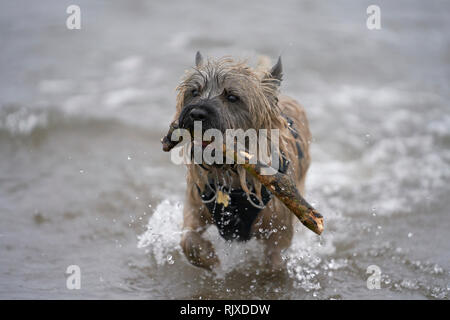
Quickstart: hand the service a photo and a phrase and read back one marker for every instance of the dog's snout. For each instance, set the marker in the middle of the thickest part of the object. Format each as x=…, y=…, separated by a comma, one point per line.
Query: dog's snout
x=198, y=114
x=205, y=113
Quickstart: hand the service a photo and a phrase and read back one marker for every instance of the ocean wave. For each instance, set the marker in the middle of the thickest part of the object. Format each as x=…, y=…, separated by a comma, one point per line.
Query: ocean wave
x=24, y=122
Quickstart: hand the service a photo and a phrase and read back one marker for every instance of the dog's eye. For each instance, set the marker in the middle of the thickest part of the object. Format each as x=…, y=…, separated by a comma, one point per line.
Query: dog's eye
x=195, y=93
x=232, y=98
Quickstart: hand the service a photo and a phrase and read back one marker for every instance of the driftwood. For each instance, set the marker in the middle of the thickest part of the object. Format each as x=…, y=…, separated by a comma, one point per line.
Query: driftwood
x=166, y=141
x=281, y=185
x=284, y=188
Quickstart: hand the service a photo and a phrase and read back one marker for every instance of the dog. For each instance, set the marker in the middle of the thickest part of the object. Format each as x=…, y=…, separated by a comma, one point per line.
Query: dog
x=228, y=94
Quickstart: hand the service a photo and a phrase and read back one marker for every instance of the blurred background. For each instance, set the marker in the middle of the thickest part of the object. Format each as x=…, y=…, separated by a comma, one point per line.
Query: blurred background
x=83, y=179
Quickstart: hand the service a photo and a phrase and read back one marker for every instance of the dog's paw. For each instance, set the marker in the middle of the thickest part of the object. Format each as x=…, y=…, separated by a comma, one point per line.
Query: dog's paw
x=199, y=252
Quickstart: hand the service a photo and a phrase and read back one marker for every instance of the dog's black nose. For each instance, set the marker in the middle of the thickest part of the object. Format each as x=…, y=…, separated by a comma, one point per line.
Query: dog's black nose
x=198, y=114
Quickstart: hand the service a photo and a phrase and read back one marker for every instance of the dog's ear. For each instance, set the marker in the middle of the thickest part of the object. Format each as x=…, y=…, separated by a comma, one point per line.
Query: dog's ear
x=198, y=59
x=277, y=70
x=274, y=76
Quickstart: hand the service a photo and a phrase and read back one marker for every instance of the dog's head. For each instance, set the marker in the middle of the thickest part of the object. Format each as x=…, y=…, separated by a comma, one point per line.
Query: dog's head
x=226, y=94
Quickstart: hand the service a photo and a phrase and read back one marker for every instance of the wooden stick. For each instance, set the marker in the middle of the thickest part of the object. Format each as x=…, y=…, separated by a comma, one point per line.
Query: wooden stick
x=284, y=188
x=166, y=141
x=281, y=185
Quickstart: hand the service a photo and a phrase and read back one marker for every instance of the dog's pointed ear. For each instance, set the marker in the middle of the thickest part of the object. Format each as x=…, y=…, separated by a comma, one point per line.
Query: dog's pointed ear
x=277, y=70
x=275, y=75
x=198, y=59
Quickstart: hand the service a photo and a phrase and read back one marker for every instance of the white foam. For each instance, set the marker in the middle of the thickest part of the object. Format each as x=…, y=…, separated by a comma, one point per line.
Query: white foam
x=163, y=236
x=116, y=98
x=163, y=233
x=22, y=121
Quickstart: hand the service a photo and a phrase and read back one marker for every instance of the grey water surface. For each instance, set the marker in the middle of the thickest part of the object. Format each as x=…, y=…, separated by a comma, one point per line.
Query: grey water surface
x=83, y=179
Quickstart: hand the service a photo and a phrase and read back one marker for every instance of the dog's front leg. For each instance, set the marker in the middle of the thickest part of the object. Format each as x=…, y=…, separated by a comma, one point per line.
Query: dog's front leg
x=199, y=251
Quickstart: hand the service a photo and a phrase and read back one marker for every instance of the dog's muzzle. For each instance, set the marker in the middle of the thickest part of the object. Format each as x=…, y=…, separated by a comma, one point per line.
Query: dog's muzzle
x=206, y=113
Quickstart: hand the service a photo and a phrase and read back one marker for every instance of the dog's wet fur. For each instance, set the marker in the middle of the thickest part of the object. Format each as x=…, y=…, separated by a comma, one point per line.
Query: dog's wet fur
x=229, y=94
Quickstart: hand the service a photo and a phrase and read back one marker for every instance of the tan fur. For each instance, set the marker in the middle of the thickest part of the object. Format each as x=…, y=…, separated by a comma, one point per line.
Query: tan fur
x=274, y=224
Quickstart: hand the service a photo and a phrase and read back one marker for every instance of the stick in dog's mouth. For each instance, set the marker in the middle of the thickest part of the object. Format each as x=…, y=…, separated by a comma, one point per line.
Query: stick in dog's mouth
x=168, y=144
x=280, y=184
x=166, y=141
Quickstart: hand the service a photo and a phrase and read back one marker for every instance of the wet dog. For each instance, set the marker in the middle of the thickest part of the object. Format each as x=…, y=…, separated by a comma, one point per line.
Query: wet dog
x=227, y=94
